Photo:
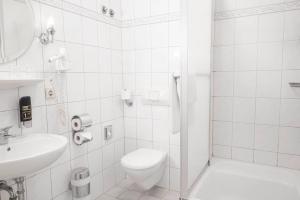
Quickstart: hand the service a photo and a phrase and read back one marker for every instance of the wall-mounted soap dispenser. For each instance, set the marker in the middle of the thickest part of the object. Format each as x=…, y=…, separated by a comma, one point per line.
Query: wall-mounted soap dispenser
x=25, y=112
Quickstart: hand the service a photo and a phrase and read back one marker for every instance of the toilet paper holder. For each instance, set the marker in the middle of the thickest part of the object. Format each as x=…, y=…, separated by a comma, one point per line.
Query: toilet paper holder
x=82, y=137
x=79, y=124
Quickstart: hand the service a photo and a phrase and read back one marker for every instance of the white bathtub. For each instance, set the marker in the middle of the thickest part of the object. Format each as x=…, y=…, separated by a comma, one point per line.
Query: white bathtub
x=231, y=180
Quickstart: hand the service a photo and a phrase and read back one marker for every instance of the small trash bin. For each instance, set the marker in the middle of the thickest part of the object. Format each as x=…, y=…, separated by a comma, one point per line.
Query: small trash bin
x=81, y=183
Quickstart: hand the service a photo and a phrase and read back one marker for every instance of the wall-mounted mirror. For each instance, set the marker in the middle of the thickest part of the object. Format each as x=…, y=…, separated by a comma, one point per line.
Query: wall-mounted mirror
x=16, y=28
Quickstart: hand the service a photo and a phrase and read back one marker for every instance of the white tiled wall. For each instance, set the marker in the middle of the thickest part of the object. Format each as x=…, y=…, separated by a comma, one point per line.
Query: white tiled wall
x=151, y=52
x=256, y=113
x=104, y=57
x=94, y=49
x=229, y=5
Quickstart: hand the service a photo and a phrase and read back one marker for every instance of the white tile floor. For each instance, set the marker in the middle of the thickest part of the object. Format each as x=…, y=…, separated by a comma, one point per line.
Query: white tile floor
x=126, y=190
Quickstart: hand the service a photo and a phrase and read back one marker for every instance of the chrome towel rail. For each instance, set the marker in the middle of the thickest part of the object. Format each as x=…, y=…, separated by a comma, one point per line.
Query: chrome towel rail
x=294, y=84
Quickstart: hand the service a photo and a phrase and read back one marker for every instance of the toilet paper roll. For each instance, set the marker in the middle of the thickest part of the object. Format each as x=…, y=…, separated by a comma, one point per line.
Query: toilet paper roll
x=79, y=122
x=82, y=137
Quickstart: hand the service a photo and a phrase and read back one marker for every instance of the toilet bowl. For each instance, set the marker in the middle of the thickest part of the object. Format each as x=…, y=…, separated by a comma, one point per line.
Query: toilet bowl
x=145, y=167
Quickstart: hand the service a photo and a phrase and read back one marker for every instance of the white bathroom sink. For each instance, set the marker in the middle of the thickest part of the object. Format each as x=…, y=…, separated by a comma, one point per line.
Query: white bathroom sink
x=27, y=154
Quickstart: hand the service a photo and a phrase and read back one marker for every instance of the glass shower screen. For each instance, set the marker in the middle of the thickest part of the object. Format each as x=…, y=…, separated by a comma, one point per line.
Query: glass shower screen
x=195, y=105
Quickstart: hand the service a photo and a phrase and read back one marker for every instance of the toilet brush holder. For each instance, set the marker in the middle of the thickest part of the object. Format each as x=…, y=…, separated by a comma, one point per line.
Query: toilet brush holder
x=80, y=184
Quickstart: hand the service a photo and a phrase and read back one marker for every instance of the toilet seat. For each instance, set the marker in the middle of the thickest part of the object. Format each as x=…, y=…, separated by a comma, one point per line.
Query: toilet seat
x=143, y=159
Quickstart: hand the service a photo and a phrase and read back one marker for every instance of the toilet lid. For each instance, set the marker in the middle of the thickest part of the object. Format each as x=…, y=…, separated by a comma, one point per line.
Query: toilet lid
x=143, y=159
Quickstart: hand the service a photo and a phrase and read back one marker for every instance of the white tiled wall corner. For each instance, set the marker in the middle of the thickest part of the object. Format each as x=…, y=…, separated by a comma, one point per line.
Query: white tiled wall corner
x=255, y=111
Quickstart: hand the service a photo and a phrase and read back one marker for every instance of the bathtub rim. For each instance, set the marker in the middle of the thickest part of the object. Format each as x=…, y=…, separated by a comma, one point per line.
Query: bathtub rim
x=280, y=175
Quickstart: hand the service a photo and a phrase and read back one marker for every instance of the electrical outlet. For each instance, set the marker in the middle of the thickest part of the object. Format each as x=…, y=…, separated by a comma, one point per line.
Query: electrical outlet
x=50, y=93
x=49, y=89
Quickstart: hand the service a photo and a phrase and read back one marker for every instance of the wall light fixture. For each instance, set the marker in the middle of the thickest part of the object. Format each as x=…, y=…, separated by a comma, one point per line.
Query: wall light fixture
x=48, y=36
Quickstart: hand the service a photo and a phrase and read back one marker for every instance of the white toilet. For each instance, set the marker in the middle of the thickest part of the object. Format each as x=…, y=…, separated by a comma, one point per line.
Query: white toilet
x=145, y=167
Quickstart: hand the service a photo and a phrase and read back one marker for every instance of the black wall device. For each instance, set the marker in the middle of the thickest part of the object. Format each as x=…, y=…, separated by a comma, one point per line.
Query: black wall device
x=25, y=111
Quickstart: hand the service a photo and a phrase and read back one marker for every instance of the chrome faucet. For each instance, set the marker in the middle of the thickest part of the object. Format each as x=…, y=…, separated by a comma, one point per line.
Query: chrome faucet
x=4, y=135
